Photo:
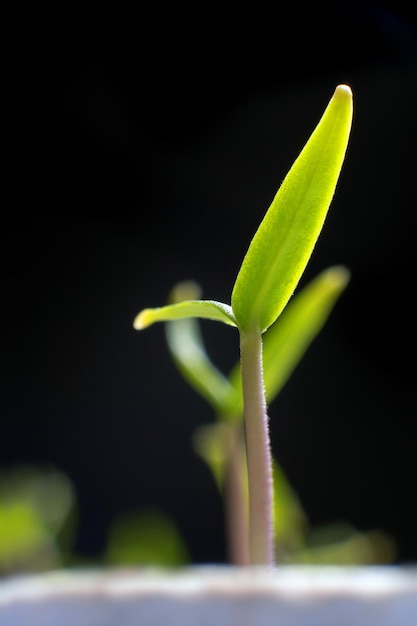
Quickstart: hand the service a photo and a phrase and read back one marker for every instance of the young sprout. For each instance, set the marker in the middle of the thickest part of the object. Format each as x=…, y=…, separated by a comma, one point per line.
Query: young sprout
x=270, y=272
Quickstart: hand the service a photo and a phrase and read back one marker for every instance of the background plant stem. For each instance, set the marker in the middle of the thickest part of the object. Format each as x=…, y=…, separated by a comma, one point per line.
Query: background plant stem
x=236, y=500
x=261, y=548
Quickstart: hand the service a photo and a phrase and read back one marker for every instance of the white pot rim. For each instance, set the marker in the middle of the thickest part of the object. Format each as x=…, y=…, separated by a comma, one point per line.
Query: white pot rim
x=213, y=596
x=214, y=579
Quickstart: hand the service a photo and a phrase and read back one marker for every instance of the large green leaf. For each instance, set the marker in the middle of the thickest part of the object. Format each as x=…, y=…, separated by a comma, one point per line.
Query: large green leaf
x=283, y=243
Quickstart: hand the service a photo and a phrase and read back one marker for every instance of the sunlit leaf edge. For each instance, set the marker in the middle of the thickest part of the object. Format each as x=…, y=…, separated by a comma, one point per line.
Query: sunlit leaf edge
x=208, y=309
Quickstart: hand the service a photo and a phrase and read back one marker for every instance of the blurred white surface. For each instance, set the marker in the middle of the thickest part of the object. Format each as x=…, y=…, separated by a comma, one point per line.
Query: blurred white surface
x=213, y=596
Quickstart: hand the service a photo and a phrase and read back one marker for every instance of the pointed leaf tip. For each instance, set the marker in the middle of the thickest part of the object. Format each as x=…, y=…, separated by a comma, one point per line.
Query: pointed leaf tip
x=336, y=277
x=142, y=319
x=343, y=91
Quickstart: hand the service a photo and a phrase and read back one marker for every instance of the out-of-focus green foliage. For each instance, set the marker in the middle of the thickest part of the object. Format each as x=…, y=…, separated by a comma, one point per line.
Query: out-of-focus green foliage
x=145, y=538
x=37, y=528
x=38, y=510
x=36, y=518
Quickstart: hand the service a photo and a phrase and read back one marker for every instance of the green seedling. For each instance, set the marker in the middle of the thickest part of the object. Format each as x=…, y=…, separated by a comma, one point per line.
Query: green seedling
x=267, y=279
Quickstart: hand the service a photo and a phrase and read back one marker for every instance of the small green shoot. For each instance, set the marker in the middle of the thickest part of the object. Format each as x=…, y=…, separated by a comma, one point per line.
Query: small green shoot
x=268, y=277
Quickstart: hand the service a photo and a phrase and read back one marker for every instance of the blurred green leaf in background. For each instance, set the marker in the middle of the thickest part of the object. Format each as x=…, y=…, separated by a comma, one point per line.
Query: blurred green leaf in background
x=145, y=538
x=37, y=519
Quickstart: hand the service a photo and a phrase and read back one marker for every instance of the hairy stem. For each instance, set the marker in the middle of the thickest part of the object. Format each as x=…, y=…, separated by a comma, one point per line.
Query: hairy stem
x=261, y=543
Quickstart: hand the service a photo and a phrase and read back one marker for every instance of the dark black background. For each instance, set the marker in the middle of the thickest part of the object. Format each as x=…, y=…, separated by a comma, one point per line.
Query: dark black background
x=141, y=147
